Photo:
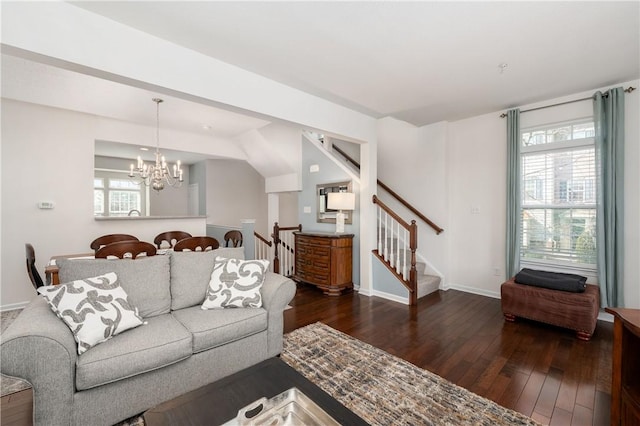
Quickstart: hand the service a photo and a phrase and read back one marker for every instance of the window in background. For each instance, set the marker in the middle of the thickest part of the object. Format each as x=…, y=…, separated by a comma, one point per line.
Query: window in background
x=558, y=195
x=114, y=196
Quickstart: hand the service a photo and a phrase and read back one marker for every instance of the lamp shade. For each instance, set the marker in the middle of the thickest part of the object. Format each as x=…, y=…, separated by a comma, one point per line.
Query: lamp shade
x=341, y=201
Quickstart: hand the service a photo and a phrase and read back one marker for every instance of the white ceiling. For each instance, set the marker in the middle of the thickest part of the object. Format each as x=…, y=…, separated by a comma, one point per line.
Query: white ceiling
x=38, y=83
x=421, y=62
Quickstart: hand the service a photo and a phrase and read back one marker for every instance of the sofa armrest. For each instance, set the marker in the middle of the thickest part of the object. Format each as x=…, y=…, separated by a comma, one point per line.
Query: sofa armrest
x=277, y=291
x=40, y=348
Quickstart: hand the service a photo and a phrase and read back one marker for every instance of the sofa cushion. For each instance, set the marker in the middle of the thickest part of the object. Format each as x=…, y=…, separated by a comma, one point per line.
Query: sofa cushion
x=190, y=274
x=235, y=284
x=230, y=252
x=95, y=309
x=220, y=326
x=161, y=342
x=146, y=279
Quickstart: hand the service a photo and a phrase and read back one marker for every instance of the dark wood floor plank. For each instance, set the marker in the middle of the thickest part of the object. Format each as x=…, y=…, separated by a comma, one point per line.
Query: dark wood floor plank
x=549, y=393
x=602, y=409
x=583, y=416
x=514, y=389
x=561, y=417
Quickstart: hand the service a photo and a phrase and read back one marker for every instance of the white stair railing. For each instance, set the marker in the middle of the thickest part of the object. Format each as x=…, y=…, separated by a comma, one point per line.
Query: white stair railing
x=397, y=243
x=263, y=249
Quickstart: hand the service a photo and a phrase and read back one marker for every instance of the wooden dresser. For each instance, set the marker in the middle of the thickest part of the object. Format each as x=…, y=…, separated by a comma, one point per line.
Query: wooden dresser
x=324, y=260
x=625, y=383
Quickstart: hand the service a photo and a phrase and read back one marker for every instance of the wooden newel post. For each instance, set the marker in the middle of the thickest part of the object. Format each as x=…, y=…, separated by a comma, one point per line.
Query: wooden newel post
x=276, y=241
x=413, y=272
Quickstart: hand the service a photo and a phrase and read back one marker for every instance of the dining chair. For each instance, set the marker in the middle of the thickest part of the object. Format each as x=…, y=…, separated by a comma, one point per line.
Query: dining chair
x=234, y=237
x=110, y=238
x=194, y=243
x=170, y=237
x=120, y=249
x=34, y=275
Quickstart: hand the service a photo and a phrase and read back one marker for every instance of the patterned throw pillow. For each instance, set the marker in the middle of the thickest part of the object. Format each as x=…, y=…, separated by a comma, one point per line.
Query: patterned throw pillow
x=235, y=283
x=95, y=309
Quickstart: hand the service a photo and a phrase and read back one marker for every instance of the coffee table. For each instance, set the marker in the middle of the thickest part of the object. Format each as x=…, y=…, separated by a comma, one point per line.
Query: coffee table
x=219, y=402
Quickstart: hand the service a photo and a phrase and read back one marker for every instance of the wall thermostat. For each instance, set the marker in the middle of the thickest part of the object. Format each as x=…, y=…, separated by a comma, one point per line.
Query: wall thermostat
x=45, y=205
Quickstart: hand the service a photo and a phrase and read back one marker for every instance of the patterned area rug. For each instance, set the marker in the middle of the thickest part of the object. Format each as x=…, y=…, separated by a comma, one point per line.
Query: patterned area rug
x=384, y=389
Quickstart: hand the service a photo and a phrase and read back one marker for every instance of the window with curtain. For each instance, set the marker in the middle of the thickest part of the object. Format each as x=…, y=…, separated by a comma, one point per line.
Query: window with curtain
x=558, y=195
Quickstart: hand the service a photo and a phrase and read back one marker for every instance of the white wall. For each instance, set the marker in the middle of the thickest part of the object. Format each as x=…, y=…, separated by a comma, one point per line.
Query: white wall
x=47, y=155
x=477, y=178
x=235, y=191
x=476, y=159
x=287, y=209
x=412, y=162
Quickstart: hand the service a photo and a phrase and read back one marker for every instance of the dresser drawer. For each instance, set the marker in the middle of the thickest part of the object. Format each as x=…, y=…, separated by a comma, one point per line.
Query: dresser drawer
x=313, y=241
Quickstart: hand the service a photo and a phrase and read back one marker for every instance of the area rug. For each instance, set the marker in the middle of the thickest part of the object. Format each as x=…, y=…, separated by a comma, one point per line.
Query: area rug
x=384, y=389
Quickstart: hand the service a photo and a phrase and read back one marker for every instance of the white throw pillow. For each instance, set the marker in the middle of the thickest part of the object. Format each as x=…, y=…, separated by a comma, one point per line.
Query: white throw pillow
x=235, y=283
x=95, y=309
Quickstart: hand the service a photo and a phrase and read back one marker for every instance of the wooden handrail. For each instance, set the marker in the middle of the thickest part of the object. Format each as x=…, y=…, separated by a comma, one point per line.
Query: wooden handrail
x=263, y=239
x=390, y=212
x=411, y=208
x=393, y=194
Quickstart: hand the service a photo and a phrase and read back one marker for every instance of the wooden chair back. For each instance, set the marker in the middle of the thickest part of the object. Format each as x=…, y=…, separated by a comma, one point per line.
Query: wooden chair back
x=110, y=238
x=235, y=237
x=194, y=243
x=170, y=237
x=34, y=275
x=121, y=248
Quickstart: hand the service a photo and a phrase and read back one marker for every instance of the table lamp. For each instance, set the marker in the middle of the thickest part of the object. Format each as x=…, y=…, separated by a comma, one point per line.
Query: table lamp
x=341, y=201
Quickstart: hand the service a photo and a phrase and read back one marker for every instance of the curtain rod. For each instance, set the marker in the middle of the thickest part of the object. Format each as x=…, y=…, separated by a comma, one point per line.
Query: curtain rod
x=504, y=114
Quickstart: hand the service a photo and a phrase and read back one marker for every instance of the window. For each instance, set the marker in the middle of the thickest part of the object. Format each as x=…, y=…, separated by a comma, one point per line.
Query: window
x=558, y=195
x=118, y=197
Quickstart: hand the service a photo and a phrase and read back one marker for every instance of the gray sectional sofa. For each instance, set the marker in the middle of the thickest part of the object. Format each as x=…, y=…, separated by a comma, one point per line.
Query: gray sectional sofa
x=180, y=348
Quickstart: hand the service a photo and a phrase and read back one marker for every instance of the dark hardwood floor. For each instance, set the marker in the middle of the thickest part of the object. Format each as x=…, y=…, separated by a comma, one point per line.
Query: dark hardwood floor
x=538, y=370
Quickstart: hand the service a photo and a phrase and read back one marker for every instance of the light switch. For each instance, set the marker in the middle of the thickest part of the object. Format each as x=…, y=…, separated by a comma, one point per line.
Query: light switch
x=314, y=168
x=307, y=209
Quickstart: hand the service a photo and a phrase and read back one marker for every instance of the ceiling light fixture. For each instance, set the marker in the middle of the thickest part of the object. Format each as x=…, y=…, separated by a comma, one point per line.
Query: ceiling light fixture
x=156, y=175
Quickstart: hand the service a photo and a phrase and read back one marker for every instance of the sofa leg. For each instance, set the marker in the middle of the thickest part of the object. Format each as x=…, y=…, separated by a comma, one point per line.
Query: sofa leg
x=509, y=317
x=583, y=335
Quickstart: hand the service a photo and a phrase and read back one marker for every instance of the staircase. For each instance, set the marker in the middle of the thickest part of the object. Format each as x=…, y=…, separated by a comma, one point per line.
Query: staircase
x=426, y=283
x=397, y=240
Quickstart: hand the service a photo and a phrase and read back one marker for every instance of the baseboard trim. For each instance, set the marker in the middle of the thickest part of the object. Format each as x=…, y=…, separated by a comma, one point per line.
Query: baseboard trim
x=473, y=290
x=605, y=316
x=389, y=296
x=13, y=306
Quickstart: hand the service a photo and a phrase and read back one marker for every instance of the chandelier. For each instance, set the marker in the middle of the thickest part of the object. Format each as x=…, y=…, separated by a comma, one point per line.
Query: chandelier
x=158, y=174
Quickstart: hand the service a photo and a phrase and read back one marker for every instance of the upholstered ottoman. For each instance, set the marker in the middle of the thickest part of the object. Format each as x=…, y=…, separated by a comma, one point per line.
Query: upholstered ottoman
x=575, y=311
